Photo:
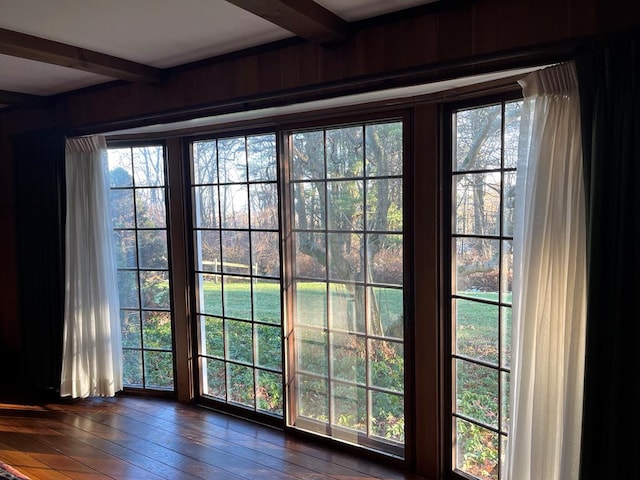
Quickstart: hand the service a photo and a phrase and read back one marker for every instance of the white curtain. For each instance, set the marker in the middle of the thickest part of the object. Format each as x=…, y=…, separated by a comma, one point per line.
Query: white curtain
x=549, y=295
x=92, y=355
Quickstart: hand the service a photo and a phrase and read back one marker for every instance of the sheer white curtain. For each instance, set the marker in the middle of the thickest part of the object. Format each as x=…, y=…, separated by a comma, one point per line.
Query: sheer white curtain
x=549, y=295
x=92, y=355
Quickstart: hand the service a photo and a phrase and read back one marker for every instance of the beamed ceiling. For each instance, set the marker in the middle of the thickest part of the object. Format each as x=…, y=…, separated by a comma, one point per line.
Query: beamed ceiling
x=48, y=47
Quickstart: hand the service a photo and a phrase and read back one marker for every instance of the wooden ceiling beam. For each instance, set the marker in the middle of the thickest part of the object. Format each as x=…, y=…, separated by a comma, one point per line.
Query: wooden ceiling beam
x=42, y=50
x=19, y=99
x=304, y=18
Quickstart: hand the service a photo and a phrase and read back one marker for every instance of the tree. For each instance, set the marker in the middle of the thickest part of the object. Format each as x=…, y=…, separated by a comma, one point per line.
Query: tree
x=478, y=151
x=357, y=200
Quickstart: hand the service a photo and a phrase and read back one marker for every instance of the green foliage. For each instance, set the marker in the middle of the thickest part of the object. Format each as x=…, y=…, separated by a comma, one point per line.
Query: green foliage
x=477, y=451
x=478, y=396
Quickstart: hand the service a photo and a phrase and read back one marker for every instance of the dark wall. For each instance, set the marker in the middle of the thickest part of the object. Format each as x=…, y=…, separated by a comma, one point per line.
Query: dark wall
x=447, y=39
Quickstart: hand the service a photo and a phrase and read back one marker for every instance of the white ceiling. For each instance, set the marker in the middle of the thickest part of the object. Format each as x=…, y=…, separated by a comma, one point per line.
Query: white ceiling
x=159, y=33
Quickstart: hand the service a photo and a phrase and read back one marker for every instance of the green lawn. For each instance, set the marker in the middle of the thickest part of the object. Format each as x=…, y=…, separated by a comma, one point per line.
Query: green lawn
x=477, y=336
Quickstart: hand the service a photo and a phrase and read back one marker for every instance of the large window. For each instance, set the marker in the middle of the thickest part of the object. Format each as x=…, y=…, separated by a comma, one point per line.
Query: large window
x=139, y=216
x=347, y=360
x=236, y=240
x=299, y=300
x=484, y=145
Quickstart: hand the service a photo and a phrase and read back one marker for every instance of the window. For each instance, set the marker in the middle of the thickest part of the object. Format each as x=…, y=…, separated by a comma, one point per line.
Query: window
x=237, y=271
x=139, y=217
x=299, y=300
x=346, y=252
x=484, y=144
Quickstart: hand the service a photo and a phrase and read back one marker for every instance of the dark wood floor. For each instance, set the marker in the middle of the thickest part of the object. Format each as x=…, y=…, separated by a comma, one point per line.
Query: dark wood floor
x=136, y=438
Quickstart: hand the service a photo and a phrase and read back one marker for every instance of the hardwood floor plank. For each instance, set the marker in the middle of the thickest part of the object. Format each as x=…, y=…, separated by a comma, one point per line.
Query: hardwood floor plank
x=245, y=444
x=135, y=438
x=256, y=441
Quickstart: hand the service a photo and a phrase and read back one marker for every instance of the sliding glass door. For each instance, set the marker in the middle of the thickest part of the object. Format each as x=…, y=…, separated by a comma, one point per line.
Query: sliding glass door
x=346, y=252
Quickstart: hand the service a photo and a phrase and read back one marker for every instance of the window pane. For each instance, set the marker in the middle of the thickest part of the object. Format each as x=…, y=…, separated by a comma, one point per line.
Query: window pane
x=347, y=307
x=384, y=205
x=349, y=406
x=264, y=205
x=128, y=289
x=240, y=295
x=262, y=157
x=124, y=243
x=120, y=168
x=345, y=152
x=132, y=368
x=477, y=330
x=240, y=386
x=353, y=253
x=234, y=206
x=477, y=203
x=313, y=397
x=266, y=301
x=348, y=355
x=477, y=266
x=388, y=416
x=345, y=202
x=308, y=155
x=214, y=376
x=266, y=253
x=158, y=369
x=312, y=347
x=477, y=450
x=157, y=330
x=235, y=252
x=232, y=160
x=209, y=257
x=213, y=343
x=309, y=205
x=205, y=207
x=150, y=208
x=512, y=133
x=237, y=297
x=148, y=166
x=154, y=286
x=509, y=193
x=384, y=149
x=130, y=328
x=152, y=249
x=483, y=206
x=505, y=395
x=345, y=258
x=505, y=341
x=268, y=347
x=311, y=303
x=478, y=138
x=385, y=312
x=386, y=365
x=205, y=162
x=477, y=392
x=269, y=392
x=310, y=255
x=210, y=294
x=386, y=254
x=506, y=271
x=239, y=339
x=122, y=211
